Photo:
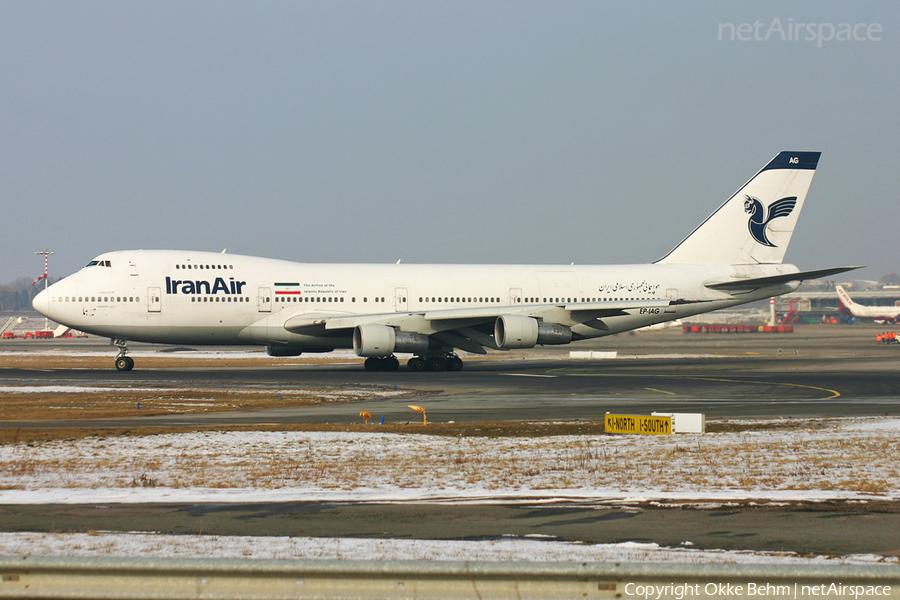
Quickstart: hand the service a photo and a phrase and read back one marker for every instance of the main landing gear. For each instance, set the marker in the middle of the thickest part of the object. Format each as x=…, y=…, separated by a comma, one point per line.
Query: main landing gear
x=436, y=362
x=387, y=363
x=123, y=362
x=430, y=362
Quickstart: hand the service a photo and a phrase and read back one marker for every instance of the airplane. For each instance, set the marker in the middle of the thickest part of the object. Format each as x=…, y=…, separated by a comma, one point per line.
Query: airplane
x=432, y=311
x=876, y=313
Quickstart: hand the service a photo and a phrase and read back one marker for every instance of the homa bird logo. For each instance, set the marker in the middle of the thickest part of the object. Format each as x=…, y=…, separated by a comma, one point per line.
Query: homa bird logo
x=758, y=219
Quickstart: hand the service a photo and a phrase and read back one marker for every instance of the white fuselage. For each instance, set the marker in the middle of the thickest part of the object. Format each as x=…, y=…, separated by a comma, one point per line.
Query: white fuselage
x=885, y=313
x=184, y=297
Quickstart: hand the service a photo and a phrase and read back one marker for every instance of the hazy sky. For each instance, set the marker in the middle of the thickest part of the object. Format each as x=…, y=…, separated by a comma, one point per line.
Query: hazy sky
x=523, y=132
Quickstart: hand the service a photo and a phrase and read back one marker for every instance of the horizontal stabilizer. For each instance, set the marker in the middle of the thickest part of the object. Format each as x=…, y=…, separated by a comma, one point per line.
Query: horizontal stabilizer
x=758, y=282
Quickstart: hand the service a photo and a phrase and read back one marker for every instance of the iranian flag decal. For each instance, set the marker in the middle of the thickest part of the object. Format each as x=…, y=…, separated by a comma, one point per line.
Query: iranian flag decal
x=287, y=289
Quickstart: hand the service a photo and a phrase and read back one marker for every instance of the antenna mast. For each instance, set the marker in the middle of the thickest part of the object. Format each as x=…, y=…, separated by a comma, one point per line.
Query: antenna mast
x=46, y=279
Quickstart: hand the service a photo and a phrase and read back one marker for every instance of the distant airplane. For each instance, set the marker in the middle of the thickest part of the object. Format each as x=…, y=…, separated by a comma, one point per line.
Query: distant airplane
x=431, y=311
x=875, y=313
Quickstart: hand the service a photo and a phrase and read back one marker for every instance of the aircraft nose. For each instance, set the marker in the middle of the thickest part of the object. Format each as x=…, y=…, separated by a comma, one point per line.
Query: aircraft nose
x=41, y=303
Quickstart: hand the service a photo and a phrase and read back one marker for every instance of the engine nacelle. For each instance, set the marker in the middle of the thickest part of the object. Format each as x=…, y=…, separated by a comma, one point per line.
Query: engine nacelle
x=414, y=343
x=515, y=331
x=381, y=340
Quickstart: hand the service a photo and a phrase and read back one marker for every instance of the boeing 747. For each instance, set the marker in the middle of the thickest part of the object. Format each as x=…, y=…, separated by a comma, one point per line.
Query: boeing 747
x=432, y=311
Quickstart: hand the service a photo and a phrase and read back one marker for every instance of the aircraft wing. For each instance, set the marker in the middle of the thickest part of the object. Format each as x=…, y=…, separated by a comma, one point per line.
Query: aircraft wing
x=471, y=329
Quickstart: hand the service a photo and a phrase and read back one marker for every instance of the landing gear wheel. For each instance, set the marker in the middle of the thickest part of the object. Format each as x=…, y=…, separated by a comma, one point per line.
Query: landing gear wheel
x=416, y=364
x=372, y=364
x=454, y=364
x=390, y=364
x=435, y=363
x=123, y=361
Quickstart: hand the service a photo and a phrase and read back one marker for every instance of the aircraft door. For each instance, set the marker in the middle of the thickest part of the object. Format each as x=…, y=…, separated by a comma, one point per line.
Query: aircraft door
x=515, y=296
x=671, y=294
x=264, y=299
x=401, y=303
x=154, y=300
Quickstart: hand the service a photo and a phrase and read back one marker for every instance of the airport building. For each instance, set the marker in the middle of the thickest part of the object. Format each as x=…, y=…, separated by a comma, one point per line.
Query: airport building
x=815, y=303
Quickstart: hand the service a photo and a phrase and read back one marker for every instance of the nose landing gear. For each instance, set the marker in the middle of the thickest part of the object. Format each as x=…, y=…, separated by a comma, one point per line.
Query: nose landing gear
x=123, y=362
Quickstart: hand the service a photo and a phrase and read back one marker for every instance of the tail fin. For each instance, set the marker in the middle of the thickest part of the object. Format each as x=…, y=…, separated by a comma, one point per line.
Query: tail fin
x=844, y=297
x=754, y=225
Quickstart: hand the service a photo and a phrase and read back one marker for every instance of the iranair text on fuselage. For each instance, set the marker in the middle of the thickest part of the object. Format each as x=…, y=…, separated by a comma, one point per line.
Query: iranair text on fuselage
x=200, y=286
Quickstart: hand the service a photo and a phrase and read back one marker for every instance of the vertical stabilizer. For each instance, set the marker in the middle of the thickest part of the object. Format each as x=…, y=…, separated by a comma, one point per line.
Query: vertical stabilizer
x=755, y=225
x=845, y=298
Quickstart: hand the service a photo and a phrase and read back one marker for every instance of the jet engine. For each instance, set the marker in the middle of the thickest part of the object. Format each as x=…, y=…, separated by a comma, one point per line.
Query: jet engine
x=381, y=340
x=515, y=331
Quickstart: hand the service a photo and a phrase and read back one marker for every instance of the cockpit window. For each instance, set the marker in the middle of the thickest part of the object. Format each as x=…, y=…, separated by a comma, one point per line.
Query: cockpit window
x=93, y=263
x=99, y=263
